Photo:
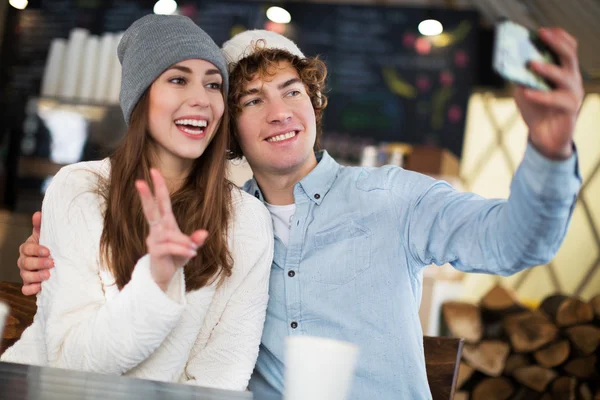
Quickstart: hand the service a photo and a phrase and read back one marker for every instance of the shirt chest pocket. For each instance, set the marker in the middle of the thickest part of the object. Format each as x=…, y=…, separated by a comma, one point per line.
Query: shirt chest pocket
x=344, y=252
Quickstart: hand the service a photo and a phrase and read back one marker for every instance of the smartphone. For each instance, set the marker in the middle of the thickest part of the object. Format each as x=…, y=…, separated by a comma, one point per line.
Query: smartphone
x=514, y=47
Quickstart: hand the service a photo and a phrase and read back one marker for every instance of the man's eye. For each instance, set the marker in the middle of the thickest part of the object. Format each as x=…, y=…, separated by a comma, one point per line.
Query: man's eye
x=252, y=102
x=293, y=93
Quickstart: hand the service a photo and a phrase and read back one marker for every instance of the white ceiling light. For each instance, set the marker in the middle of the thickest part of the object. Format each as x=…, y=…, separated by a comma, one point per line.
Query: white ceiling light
x=18, y=4
x=430, y=27
x=165, y=7
x=279, y=15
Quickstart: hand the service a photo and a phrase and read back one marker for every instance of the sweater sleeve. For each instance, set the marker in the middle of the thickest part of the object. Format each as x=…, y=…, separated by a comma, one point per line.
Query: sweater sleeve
x=83, y=330
x=228, y=359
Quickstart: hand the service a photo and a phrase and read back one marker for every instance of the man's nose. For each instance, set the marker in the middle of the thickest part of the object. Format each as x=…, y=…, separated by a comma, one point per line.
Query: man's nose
x=279, y=112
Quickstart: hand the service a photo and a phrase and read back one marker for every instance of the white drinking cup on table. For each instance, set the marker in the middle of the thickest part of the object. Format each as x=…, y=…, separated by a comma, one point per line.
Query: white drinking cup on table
x=318, y=368
x=3, y=316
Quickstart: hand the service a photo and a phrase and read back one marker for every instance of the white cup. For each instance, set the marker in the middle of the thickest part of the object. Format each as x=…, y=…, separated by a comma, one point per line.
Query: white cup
x=3, y=314
x=318, y=368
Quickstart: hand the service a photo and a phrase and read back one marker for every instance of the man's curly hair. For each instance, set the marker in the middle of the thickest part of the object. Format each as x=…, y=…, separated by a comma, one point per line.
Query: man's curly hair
x=264, y=62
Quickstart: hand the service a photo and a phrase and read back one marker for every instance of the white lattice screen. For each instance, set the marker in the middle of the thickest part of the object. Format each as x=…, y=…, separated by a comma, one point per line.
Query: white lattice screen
x=494, y=145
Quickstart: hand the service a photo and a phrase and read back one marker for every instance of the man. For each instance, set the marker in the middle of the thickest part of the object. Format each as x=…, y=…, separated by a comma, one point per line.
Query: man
x=351, y=243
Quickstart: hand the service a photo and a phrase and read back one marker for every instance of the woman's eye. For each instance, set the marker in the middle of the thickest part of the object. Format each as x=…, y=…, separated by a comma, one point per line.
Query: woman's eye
x=214, y=85
x=177, y=81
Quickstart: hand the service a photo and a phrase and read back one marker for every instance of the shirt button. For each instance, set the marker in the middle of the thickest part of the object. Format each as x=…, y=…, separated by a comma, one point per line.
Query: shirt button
x=291, y=274
x=317, y=196
x=294, y=325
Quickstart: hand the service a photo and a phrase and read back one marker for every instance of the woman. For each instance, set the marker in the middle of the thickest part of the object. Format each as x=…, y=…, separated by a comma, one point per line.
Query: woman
x=191, y=309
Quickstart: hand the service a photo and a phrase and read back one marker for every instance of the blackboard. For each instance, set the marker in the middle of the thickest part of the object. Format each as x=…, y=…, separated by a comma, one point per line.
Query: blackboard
x=386, y=82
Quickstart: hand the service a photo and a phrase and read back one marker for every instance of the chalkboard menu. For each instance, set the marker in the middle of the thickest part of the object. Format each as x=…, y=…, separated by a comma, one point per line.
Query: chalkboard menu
x=386, y=81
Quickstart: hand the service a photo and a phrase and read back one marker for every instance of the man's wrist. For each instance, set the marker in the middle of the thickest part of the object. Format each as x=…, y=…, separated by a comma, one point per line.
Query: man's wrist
x=560, y=154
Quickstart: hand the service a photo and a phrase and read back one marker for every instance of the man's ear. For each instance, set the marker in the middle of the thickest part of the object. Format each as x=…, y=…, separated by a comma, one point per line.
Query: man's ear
x=319, y=99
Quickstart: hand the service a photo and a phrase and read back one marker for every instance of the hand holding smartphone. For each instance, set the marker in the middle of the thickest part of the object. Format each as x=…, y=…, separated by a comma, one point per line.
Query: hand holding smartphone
x=514, y=47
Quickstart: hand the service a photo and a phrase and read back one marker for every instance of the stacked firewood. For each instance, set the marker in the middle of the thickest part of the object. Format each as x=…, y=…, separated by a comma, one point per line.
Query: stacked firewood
x=514, y=352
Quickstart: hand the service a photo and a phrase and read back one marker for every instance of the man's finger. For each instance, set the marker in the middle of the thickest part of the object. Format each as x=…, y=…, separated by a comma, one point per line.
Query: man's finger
x=563, y=48
x=29, y=290
x=32, y=277
x=36, y=220
x=555, y=74
x=570, y=39
x=35, y=263
x=562, y=99
x=33, y=249
x=148, y=204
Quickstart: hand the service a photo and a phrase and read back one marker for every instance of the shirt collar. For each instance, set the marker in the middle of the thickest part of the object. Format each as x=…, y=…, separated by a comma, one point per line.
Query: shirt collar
x=316, y=184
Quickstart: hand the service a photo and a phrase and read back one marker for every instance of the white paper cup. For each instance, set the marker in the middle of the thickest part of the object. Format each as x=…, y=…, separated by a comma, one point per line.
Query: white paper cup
x=52, y=79
x=318, y=368
x=3, y=314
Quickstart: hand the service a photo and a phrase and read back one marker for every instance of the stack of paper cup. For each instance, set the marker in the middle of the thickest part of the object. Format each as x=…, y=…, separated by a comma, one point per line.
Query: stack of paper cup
x=73, y=63
x=318, y=368
x=3, y=315
x=89, y=69
x=369, y=157
x=52, y=79
x=105, y=64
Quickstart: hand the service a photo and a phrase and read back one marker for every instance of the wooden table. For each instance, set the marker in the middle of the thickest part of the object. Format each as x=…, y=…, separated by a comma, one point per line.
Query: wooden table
x=22, y=310
x=25, y=382
x=442, y=355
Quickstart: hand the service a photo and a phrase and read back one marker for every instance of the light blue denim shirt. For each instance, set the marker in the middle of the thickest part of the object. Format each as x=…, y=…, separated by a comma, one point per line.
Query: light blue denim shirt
x=360, y=237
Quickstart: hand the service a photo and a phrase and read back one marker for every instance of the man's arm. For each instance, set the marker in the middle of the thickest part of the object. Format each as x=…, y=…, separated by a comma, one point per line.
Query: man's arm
x=499, y=236
x=34, y=260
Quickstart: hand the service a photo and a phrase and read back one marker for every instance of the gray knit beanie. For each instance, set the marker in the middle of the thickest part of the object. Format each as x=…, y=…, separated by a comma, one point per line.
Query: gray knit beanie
x=155, y=42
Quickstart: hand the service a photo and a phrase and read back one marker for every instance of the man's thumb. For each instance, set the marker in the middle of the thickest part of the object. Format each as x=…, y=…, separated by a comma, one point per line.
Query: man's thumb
x=37, y=225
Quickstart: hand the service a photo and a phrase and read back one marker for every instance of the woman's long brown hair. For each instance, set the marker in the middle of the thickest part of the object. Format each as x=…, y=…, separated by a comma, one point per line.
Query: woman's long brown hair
x=204, y=201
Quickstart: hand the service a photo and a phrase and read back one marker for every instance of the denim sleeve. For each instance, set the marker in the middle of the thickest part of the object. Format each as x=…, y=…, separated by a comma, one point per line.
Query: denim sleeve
x=494, y=236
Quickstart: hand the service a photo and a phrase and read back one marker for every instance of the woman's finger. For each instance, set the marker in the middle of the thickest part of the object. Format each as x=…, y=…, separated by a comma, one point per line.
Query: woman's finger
x=149, y=206
x=172, y=236
x=171, y=249
x=199, y=237
x=162, y=195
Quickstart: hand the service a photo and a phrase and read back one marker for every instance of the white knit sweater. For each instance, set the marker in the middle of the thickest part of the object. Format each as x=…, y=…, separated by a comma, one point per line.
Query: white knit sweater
x=207, y=337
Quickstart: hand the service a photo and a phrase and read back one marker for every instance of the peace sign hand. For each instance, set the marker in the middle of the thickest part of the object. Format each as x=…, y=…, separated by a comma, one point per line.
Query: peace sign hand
x=169, y=248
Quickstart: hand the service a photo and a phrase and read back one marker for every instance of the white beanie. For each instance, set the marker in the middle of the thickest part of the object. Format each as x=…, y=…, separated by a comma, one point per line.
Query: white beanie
x=242, y=45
